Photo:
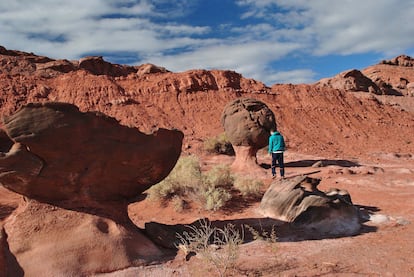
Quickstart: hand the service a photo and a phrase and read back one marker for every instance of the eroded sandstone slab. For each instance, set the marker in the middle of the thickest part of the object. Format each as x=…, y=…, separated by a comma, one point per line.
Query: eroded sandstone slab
x=299, y=201
x=78, y=172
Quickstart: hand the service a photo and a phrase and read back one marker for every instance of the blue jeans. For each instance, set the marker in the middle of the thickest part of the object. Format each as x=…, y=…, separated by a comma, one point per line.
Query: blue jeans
x=278, y=157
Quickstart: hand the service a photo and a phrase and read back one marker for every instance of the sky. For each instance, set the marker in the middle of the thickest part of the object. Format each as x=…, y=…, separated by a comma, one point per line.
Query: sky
x=272, y=41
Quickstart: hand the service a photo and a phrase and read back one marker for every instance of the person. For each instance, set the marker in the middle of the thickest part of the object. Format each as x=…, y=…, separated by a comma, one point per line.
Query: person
x=276, y=149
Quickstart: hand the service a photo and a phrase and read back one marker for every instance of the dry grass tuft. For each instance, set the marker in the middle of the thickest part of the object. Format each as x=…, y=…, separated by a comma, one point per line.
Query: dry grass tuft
x=248, y=187
x=218, y=247
x=213, y=188
x=219, y=145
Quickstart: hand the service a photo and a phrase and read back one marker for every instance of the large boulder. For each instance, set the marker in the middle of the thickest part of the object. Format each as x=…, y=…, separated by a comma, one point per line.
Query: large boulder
x=60, y=153
x=297, y=200
x=247, y=123
x=78, y=172
x=47, y=240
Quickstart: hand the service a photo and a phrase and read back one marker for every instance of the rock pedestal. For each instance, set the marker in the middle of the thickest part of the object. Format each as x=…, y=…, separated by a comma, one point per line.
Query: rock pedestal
x=247, y=123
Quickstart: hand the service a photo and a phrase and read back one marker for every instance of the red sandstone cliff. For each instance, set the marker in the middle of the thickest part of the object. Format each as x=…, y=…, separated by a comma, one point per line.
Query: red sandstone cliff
x=336, y=116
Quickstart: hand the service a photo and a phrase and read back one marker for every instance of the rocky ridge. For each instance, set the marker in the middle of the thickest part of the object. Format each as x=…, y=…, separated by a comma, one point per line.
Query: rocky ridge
x=335, y=116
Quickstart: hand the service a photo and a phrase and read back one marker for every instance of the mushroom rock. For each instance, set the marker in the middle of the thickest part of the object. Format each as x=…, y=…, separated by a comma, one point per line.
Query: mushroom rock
x=247, y=123
x=78, y=173
x=297, y=200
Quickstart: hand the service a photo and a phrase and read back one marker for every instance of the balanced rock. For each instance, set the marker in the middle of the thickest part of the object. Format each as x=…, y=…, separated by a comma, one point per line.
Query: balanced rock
x=247, y=123
x=78, y=172
x=297, y=200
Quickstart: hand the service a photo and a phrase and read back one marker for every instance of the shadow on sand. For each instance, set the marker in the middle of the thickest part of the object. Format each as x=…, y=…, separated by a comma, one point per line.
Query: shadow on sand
x=324, y=162
x=250, y=229
x=310, y=163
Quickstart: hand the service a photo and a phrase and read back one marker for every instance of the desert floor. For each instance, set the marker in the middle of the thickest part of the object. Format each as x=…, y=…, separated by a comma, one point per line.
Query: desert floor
x=381, y=185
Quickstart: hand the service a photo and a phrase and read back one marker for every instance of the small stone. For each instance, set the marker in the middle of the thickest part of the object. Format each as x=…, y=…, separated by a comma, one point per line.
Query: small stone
x=379, y=218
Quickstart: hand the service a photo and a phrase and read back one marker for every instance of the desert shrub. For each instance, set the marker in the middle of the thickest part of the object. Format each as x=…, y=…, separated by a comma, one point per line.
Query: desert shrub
x=187, y=181
x=248, y=187
x=262, y=234
x=183, y=179
x=219, y=144
x=214, y=198
x=218, y=247
x=219, y=176
x=178, y=203
x=214, y=191
x=213, y=188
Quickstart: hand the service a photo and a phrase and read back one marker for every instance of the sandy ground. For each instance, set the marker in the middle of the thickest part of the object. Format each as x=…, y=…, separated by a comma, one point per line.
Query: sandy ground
x=381, y=185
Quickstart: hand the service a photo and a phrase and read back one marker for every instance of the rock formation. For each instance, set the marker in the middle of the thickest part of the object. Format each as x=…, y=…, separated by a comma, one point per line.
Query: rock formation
x=401, y=60
x=97, y=66
x=389, y=77
x=247, y=123
x=395, y=76
x=193, y=101
x=78, y=172
x=298, y=200
x=351, y=80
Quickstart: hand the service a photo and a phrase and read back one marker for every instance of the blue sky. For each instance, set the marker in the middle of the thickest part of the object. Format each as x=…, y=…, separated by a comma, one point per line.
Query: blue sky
x=273, y=41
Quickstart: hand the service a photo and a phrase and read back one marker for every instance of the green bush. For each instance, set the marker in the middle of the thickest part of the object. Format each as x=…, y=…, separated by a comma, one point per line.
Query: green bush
x=219, y=145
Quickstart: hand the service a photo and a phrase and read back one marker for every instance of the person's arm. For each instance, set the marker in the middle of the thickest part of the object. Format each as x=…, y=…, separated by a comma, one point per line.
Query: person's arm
x=270, y=145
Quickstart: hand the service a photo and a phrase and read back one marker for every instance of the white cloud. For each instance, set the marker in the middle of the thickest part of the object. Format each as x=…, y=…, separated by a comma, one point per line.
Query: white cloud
x=249, y=58
x=341, y=27
x=300, y=76
x=152, y=31
x=69, y=29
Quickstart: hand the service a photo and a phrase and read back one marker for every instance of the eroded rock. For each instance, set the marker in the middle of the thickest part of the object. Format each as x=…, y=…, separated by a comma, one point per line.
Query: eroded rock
x=98, y=66
x=297, y=200
x=51, y=241
x=247, y=123
x=78, y=173
x=60, y=153
x=350, y=80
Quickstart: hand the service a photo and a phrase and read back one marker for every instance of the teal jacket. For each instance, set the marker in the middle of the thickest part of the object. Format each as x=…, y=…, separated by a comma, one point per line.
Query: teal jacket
x=276, y=143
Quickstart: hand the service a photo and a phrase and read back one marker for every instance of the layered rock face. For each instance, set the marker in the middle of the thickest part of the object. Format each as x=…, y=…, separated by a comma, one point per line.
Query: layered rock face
x=247, y=123
x=147, y=95
x=298, y=200
x=78, y=172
